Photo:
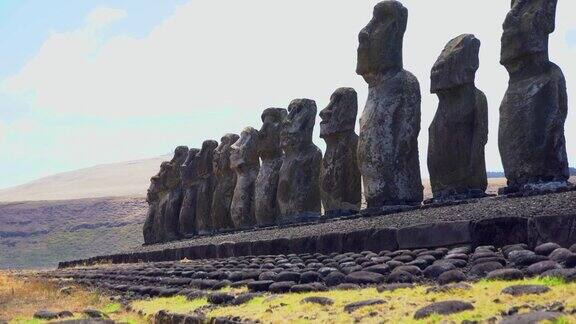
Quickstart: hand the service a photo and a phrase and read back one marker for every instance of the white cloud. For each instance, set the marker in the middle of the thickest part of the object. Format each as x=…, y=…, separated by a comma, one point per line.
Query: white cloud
x=212, y=56
x=103, y=16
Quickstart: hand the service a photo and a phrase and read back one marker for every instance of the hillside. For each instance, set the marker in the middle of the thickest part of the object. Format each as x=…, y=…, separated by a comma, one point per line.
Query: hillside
x=39, y=234
x=107, y=180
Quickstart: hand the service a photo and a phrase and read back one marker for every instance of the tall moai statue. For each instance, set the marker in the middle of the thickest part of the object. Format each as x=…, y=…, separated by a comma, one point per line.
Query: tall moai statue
x=459, y=131
x=205, y=188
x=340, y=184
x=245, y=163
x=534, y=109
x=390, y=122
x=171, y=216
x=266, y=204
x=150, y=230
x=188, y=173
x=225, y=183
x=299, y=181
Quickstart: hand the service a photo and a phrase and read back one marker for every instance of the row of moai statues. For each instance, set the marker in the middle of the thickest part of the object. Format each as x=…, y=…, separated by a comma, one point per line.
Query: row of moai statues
x=277, y=175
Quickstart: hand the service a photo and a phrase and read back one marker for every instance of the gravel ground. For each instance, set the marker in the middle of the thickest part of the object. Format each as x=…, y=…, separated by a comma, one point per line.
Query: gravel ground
x=544, y=205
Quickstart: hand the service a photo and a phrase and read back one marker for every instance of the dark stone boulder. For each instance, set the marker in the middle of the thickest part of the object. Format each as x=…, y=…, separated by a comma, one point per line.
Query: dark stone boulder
x=531, y=317
x=281, y=287
x=482, y=269
x=220, y=298
x=519, y=290
x=365, y=278
x=505, y=274
x=259, y=286
x=324, y=301
x=443, y=308
x=334, y=278
x=451, y=276
x=541, y=267
x=357, y=305
x=546, y=248
x=45, y=315
x=438, y=268
x=399, y=276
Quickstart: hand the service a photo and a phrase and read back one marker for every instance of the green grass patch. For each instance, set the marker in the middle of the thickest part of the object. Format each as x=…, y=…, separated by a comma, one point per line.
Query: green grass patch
x=111, y=308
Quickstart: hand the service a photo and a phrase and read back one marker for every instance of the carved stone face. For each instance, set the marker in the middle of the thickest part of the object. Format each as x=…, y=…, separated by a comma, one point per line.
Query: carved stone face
x=188, y=169
x=380, y=42
x=298, y=126
x=269, y=133
x=526, y=28
x=222, y=154
x=457, y=65
x=244, y=153
x=340, y=114
x=205, y=158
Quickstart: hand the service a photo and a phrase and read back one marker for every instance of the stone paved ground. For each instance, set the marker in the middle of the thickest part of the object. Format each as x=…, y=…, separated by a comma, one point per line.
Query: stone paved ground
x=442, y=268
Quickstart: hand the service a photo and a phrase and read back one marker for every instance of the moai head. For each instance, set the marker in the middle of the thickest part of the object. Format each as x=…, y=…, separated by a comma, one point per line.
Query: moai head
x=526, y=29
x=221, y=161
x=269, y=133
x=244, y=153
x=380, y=42
x=298, y=126
x=457, y=64
x=340, y=114
x=154, y=189
x=161, y=179
x=206, y=158
x=173, y=172
x=188, y=169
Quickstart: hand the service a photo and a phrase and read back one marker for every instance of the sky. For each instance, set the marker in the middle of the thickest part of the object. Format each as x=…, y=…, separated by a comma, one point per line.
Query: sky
x=88, y=82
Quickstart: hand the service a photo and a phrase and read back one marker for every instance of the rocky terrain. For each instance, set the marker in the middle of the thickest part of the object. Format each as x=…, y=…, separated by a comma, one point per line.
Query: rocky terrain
x=439, y=283
x=39, y=234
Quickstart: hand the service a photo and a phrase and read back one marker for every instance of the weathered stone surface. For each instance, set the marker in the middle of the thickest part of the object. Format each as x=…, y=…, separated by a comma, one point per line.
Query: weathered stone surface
x=188, y=174
x=459, y=131
x=266, y=204
x=534, y=108
x=558, y=229
x=434, y=235
x=531, y=317
x=205, y=187
x=165, y=197
x=299, y=181
x=443, y=308
x=499, y=231
x=225, y=182
x=340, y=180
x=519, y=290
x=390, y=122
x=245, y=163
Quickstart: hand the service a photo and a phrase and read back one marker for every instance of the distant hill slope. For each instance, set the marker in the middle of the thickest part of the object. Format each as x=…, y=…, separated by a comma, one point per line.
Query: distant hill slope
x=39, y=234
x=107, y=180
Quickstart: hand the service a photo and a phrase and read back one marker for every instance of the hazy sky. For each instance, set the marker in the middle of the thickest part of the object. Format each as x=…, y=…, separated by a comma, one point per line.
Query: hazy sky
x=87, y=82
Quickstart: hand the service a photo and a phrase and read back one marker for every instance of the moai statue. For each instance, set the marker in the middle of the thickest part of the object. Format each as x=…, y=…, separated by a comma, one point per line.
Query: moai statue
x=299, y=181
x=188, y=173
x=205, y=187
x=270, y=153
x=459, y=130
x=150, y=231
x=244, y=161
x=225, y=184
x=340, y=184
x=534, y=108
x=390, y=122
x=171, y=216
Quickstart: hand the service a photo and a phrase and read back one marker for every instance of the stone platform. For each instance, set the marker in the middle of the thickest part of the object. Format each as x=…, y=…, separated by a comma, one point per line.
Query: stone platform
x=496, y=221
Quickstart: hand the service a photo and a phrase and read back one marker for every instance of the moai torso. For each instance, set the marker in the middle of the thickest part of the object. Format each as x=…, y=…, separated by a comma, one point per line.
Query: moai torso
x=150, y=230
x=245, y=163
x=534, y=108
x=390, y=122
x=225, y=184
x=171, y=215
x=205, y=188
x=459, y=131
x=299, y=182
x=340, y=182
x=266, y=204
x=188, y=173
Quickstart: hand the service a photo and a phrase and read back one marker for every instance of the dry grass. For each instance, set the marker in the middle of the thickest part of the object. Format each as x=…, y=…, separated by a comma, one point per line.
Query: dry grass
x=21, y=297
